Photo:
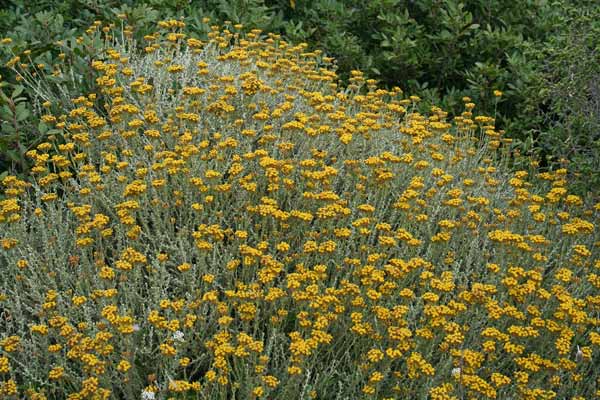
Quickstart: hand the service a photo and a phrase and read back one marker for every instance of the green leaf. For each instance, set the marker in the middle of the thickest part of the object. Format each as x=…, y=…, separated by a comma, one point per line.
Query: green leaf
x=13, y=155
x=17, y=91
x=42, y=127
x=8, y=128
x=22, y=114
x=54, y=132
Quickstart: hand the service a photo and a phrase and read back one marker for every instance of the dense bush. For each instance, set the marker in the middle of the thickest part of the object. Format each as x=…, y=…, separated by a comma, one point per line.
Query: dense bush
x=564, y=118
x=440, y=50
x=220, y=220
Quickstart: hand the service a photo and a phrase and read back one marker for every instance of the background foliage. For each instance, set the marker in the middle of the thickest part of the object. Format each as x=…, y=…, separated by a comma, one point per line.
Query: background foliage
x=543, y=55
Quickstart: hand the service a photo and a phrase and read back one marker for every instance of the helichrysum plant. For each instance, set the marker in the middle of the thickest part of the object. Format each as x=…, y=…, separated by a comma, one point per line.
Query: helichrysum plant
x=221, y=220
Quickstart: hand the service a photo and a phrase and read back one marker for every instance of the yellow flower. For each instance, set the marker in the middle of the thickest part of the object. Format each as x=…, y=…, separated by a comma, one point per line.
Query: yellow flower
x=4, y=365
x=184, y=362
x=123, y=366
x=258, y=391
x=167, y=350
x=56, y=373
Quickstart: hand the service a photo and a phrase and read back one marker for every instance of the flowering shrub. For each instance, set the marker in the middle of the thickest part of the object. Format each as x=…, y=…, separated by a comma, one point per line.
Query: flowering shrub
x=543, y=56
x=223, y=221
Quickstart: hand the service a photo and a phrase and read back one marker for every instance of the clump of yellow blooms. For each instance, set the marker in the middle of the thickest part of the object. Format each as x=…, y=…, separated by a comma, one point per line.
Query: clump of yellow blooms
x=222, y=220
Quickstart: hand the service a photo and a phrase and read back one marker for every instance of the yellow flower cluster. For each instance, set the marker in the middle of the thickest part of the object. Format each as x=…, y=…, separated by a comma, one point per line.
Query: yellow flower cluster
x=222, y=220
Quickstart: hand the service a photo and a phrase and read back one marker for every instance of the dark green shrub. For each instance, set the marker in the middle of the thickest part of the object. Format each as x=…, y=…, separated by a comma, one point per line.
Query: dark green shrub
x=564, y=94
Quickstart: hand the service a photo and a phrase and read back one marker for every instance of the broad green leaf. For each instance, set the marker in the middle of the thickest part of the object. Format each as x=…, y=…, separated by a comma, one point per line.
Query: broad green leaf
x=17, y=91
